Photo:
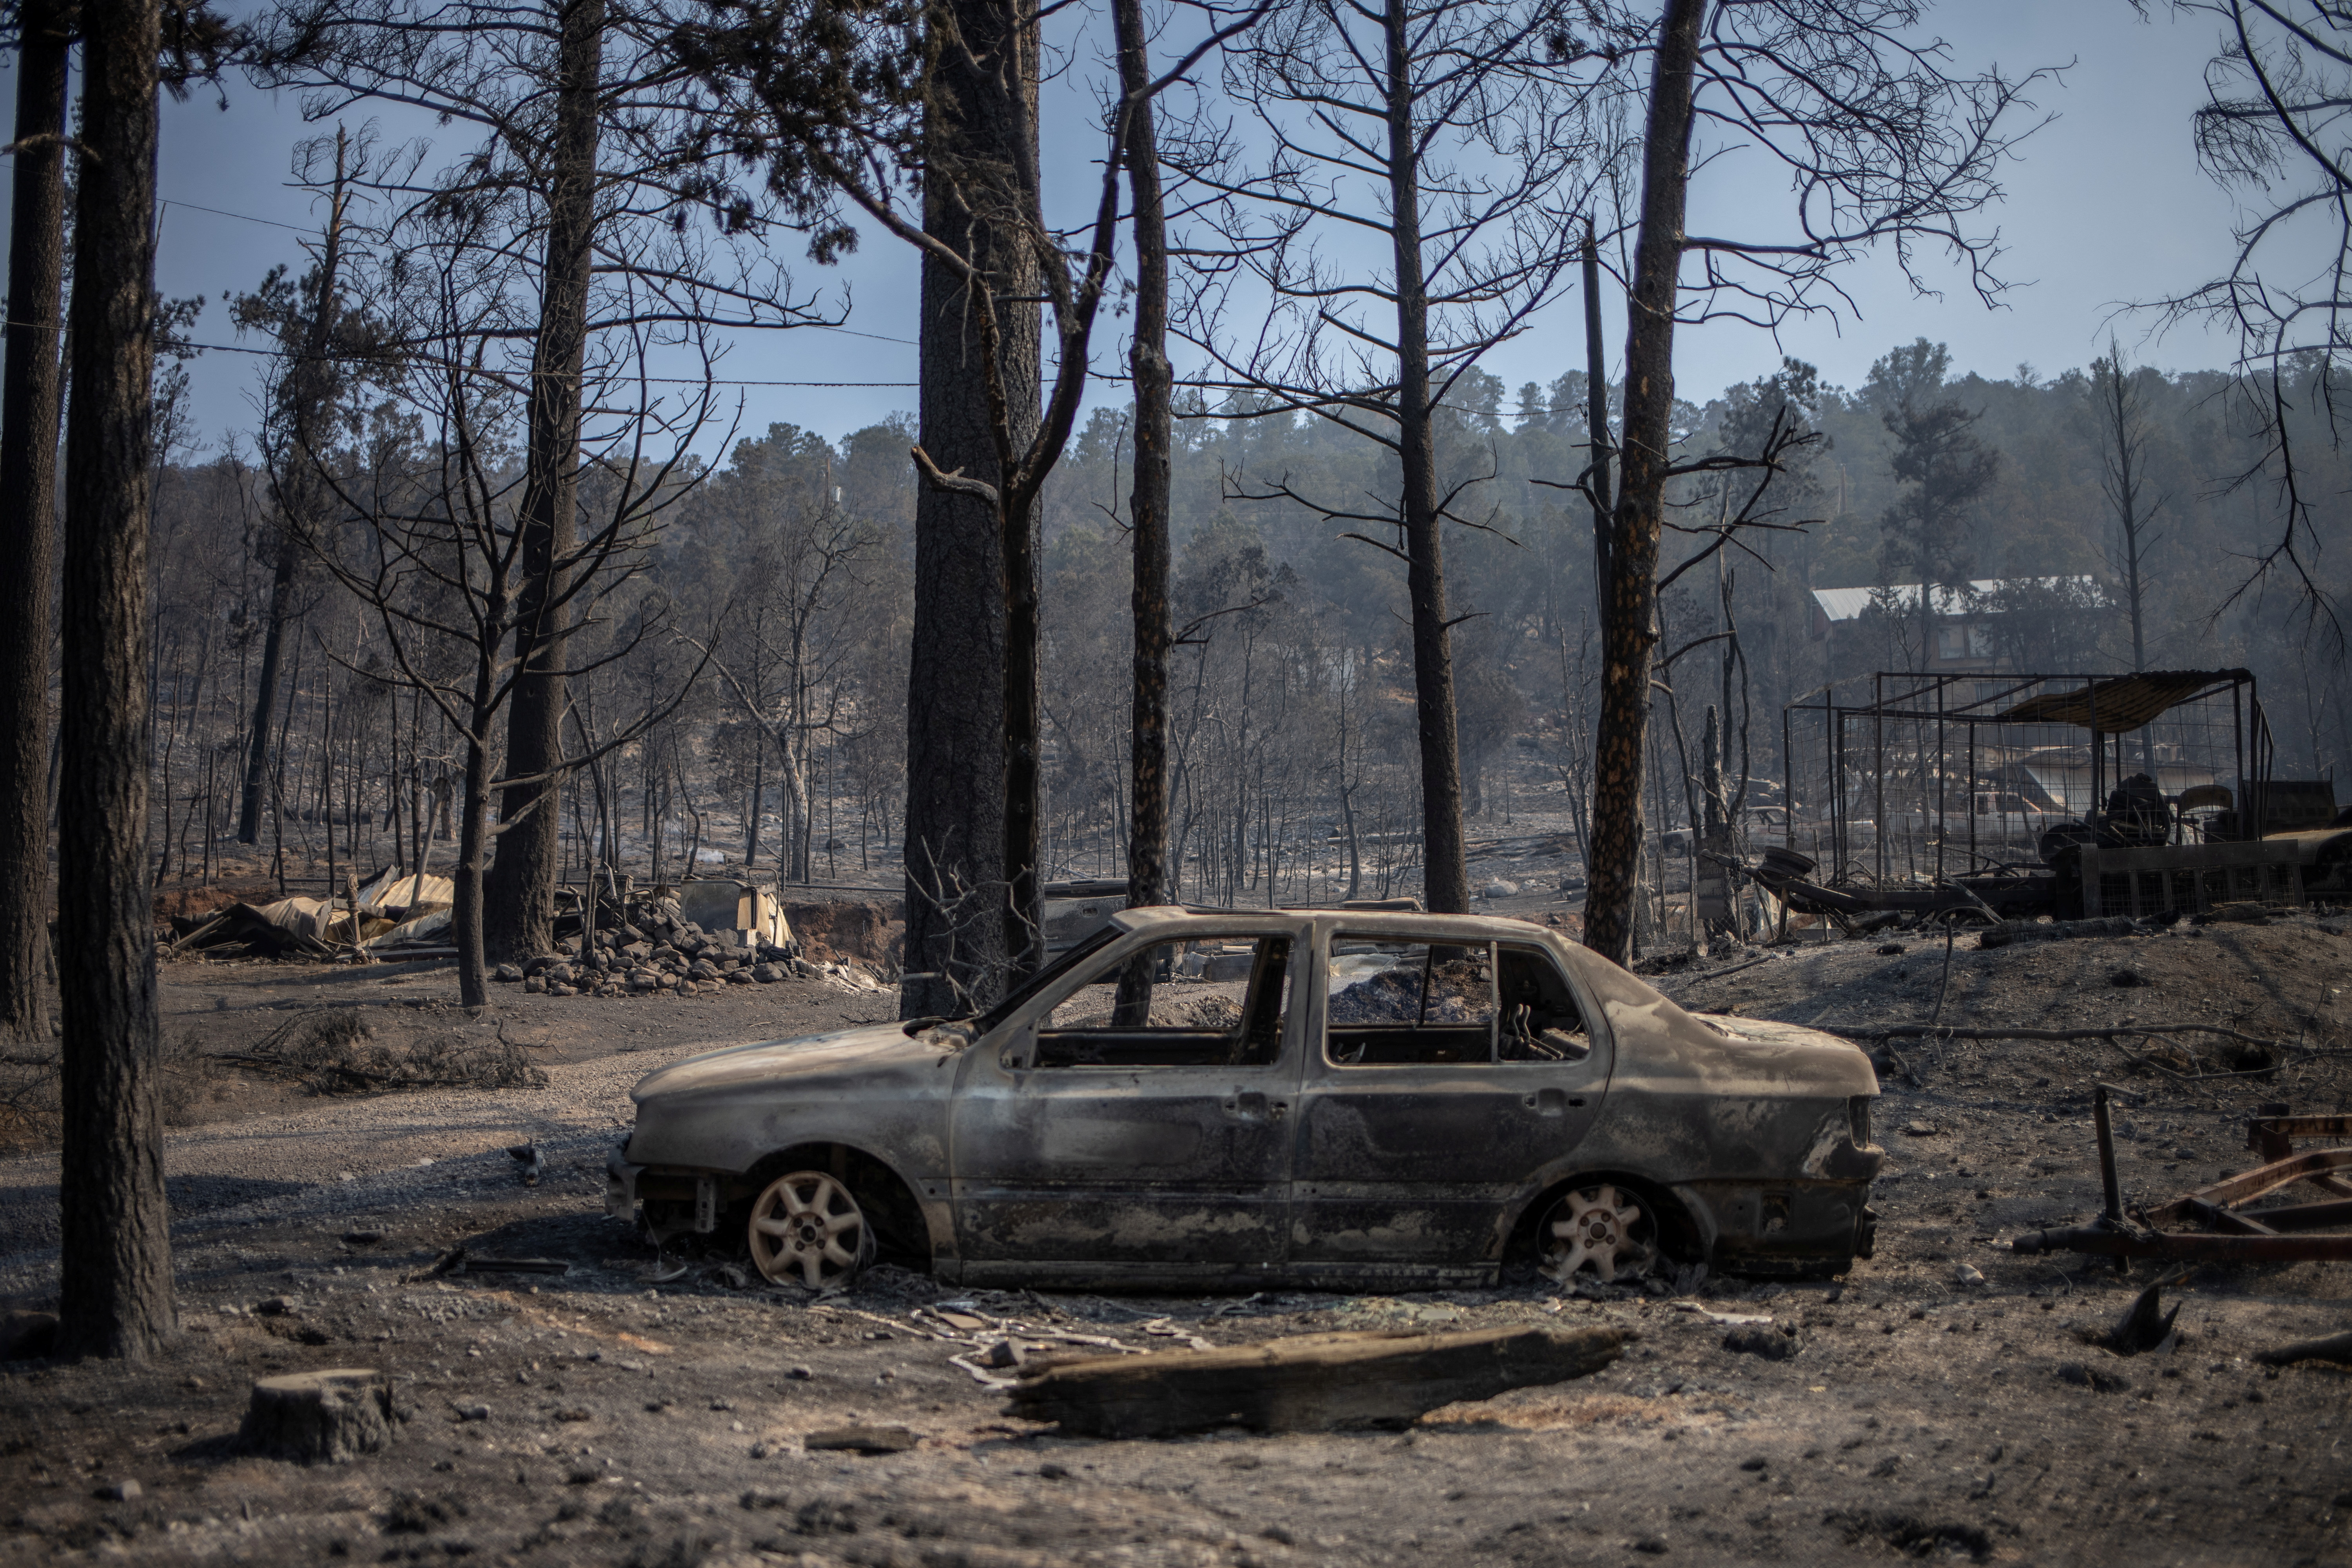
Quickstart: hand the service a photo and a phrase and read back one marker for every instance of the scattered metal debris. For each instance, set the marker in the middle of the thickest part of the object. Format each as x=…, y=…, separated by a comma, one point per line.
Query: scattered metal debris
x=2234, y=1232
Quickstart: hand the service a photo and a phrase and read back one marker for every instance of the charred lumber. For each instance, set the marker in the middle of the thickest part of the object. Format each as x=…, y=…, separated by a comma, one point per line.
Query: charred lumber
x=861, y=1440
x=1313, y=1383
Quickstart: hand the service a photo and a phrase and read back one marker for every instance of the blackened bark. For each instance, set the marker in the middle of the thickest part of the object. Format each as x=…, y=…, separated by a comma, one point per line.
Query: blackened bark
x=303, y=499
x=473, y=834
x=980, y=138
x=1629, y=630
x=28, y=511
x=519, y=888
x=1596, y=420
x=1025, y=926
x=264, y=696
x=116, y=1292
x=1147, y=843
x=1446, y=877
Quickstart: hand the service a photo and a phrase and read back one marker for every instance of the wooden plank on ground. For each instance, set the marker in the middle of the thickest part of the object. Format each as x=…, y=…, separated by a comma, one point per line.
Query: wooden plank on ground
x=1313, y=1383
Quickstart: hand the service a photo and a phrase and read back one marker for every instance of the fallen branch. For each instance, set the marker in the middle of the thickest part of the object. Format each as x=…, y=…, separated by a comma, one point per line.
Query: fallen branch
x=1945, y=1032
x=2335, y=1347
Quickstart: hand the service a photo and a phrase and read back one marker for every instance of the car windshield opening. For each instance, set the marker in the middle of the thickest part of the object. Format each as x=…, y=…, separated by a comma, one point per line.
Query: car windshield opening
x=1050, y=975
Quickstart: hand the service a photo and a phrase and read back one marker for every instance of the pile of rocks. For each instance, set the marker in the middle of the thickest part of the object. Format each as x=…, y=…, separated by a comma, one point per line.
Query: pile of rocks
x=654, y=957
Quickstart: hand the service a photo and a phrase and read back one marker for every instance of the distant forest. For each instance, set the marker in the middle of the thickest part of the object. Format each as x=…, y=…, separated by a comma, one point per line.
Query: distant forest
x=782, y=583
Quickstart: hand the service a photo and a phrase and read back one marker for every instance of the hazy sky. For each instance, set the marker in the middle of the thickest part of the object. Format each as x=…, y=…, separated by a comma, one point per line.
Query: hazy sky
x=2106, y=207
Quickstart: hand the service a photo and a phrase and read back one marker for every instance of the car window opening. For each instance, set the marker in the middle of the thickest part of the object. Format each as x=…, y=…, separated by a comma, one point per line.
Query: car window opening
x=1540, y=1019
x=1391, y=1002
x=1215, y=1002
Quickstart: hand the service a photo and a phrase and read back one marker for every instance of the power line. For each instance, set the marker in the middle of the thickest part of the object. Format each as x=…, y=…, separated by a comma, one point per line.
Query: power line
x=659, y=380
x=248, y=217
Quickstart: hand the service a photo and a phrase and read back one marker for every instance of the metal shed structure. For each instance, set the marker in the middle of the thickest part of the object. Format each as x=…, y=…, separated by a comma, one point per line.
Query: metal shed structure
x=1938, y=777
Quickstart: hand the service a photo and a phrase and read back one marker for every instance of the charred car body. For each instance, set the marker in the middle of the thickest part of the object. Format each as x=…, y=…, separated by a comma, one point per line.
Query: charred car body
x=1326, y=1098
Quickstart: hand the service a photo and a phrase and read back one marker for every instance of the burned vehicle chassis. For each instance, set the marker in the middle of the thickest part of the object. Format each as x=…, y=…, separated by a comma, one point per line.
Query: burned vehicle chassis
x=1279, y=1144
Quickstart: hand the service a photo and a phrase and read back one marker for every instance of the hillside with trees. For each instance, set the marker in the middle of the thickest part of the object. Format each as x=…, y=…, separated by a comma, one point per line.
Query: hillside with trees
x=1292, y=765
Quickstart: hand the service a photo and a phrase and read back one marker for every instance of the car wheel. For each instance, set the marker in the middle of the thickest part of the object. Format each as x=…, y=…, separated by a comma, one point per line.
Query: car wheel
x=1602, y=1231
x=806, y=1229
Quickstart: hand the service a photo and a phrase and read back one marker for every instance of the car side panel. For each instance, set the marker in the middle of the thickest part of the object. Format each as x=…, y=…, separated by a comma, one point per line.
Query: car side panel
x=1417, y=1164
x=1749, y=1123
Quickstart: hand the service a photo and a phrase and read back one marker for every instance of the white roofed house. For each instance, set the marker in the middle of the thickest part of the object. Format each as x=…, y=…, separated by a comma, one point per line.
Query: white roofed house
x=1992, y=624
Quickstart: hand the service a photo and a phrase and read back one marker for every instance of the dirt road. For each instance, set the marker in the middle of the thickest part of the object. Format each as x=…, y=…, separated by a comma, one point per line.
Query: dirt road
x=603, y=1417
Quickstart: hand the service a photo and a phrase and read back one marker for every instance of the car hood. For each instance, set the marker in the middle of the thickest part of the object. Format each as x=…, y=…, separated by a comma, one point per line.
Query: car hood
x=874, y=1050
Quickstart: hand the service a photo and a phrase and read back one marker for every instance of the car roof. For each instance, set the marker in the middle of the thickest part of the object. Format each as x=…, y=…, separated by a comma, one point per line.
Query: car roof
x=1175, y=918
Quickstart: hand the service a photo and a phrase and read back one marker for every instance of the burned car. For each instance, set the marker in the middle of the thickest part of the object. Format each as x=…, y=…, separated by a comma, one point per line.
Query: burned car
x=1308, y=1098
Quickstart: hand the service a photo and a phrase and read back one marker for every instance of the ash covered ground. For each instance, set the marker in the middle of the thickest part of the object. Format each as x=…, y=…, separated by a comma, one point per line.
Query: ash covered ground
x=604, y=1417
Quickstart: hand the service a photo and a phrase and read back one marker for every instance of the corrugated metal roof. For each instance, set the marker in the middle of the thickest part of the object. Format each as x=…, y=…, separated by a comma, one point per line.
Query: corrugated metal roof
x=2122, y=704
x=1847, y=603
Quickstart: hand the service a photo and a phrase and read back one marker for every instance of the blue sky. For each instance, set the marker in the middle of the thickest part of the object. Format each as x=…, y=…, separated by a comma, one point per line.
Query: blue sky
x=2106, y=207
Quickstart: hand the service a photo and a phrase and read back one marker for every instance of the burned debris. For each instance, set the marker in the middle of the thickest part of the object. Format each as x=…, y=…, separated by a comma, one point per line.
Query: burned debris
x=340, y=1052
x=2230, y=1229
x=662, y=941
x=1983, y=801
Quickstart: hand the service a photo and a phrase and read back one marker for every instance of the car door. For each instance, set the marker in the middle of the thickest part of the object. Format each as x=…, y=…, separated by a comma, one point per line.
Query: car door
x=1444, y=1079
x=1089, y=1145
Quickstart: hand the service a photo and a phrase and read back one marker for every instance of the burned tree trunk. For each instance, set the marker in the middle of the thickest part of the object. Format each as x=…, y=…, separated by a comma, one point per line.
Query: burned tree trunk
x=1596, y=420
x=264, y=696
x=980, y=149
x=466, y=919
x=303, y=498
x=1629, y=629
x=1446, y=877
x=519, y=888
x=29, y=524
x=1147, y=843
x=116, y=1293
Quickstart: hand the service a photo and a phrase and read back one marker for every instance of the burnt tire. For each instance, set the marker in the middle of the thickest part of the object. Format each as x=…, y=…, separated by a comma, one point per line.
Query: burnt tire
x=807, y=1228
x=1607, y=1231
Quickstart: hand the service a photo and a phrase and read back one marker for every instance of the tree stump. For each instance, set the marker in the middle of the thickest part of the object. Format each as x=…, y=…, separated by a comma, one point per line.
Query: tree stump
x=330, y=1417
x=1313, y=1383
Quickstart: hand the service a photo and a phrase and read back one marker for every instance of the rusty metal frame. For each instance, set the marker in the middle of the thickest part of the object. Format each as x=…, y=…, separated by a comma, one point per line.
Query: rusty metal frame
x=2234, y=1234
